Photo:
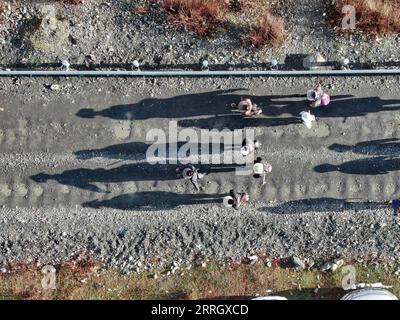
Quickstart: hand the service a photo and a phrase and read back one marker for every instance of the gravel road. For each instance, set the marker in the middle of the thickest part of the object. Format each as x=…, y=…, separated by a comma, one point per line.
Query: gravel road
x=129, y=238
x=73, y=175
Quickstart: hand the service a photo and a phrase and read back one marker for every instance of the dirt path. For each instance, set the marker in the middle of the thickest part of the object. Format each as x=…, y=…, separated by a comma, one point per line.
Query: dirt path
x=68, y=161
x=69, y=154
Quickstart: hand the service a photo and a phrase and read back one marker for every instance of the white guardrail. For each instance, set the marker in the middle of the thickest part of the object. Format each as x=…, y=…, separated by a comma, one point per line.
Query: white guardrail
x=207, y=73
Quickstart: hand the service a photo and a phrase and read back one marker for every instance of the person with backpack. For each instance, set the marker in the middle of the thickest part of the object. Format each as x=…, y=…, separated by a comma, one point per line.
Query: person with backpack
x=190, y=172
x=318, y=97
x=247, y=108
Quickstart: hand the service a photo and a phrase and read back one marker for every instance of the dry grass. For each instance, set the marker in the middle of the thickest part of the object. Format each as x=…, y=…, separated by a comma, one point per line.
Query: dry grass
x=200, y=16
x=204, y=17
x=373, y=16
x=141, y=9
x=24, y=280
x=85, y=281
x=2, y=10
x=270, y=30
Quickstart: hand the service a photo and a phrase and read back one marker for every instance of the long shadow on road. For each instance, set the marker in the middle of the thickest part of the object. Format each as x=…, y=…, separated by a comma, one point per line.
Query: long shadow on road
x=218, y=102
x=357, y=107
x=321, y=205
x=368, y=166
x=344, y=106
x=277, y=107
x=190, y=105
x=341, y=106
x=386, y=160
x=233, y=122
x=86, y=178
x=381, y=147
x=156, y=200
x=138, y=150
x=195, y=105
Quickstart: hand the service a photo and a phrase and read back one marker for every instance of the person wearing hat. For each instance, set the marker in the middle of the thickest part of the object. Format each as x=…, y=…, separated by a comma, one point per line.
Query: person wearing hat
x=254, y=110
x=261, y=168
x=235, y=199
x=249, y=146
x=318, y=97
x=243, y=106
x=247, y=108
x=189, y=172
x=315, y=96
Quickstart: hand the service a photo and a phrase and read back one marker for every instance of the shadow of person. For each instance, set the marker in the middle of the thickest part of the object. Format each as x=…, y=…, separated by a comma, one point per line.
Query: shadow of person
x=357, y=107
x=87, y=178
x=138, y=150
x=385, y=147
x=190, y=105
x=236, y=121
x=196, y=105
x=368, y=166
x=321, y=205
x=155, y=200
x=276, y=107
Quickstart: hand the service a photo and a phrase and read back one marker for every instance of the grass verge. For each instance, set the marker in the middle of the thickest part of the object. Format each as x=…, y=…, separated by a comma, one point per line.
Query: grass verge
x=251, y=20
x=86, y=280
x=373, y=17
x=268, y=30
x=200, y=16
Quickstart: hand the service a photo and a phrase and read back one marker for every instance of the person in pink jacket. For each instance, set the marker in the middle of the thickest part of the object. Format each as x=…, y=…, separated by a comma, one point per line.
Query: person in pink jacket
x=318, y=97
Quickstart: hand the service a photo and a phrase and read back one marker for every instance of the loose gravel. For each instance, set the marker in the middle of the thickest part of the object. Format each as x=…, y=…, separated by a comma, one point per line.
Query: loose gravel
x=112, y=32
x=133, y=240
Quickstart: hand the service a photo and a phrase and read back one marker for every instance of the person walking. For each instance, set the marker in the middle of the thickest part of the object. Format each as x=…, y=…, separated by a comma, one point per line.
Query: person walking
x=236, y=199
x=249, y=147
x=247, y=108
x=307, y=118
x=261, y=168
x=318, y=97
x=190, y=172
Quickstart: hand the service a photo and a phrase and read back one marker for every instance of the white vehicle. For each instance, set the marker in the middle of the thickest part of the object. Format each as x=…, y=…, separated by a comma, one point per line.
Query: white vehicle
x=370, y=294
x=270, y=298
x=359, y=294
